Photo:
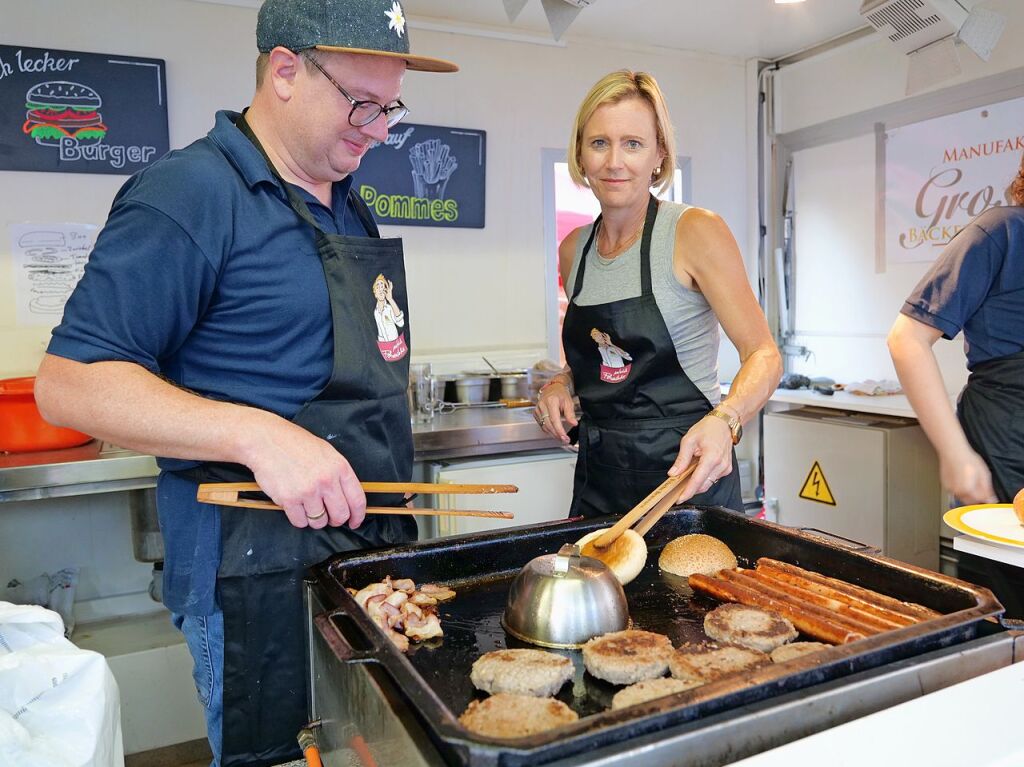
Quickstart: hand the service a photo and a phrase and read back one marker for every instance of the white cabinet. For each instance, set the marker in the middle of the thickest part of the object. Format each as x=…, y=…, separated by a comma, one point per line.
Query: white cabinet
x=870, y=478
x=545, y=491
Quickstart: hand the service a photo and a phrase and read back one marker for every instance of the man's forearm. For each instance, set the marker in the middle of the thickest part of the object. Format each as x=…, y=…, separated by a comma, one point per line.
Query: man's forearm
x=123, y=403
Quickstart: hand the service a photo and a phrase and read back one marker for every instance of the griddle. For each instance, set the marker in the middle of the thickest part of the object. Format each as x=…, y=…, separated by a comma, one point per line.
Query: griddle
x=434, y=676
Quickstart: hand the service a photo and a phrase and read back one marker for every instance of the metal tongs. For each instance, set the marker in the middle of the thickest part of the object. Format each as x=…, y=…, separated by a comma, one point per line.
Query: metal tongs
x=249, y=495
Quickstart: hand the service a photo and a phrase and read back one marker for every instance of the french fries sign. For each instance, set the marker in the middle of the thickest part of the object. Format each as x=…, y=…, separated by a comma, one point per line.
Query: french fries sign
x=72, y=112
x=816, y=487
x=426, y=175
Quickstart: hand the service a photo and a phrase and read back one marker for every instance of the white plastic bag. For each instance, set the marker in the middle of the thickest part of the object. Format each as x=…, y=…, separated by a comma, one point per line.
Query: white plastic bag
x=59, y=705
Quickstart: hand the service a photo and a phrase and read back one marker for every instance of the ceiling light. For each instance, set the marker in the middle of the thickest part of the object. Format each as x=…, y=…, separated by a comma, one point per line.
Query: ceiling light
x=787, y=2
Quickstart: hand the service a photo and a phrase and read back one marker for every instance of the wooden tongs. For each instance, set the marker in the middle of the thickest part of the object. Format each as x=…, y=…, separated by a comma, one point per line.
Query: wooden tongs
x=228, y=494
x=646, y=513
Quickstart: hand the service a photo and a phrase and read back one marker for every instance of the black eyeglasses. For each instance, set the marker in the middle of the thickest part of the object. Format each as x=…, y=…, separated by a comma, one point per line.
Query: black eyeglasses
x=363, y=112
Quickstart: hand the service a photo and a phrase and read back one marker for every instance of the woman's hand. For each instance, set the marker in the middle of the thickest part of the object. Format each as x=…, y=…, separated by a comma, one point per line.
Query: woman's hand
x=710, y=441
x=966, y=475
x=555, y=409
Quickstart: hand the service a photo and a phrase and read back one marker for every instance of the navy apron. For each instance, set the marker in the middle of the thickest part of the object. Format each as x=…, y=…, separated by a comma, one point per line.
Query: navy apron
x=363, y=412
x=637, y=400
x=991, y=412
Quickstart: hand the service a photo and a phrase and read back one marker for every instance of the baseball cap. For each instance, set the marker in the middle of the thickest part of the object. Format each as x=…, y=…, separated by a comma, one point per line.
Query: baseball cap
x=376, y=27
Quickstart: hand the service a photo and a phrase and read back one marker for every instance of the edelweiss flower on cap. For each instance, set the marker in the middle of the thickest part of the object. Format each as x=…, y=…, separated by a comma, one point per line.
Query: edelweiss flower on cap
x=397, y=19
x=353, y=26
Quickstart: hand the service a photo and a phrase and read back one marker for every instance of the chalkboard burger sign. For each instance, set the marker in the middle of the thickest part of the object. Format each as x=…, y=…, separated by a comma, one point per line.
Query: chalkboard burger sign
x=50, y=111
x=59, y=109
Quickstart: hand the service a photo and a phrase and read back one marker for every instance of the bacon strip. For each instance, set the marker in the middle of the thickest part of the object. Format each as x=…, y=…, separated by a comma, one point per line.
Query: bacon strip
x=853, y=595
x=812, y=621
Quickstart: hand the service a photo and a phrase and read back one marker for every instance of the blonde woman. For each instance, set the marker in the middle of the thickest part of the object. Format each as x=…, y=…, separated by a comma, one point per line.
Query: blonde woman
x=655, y=280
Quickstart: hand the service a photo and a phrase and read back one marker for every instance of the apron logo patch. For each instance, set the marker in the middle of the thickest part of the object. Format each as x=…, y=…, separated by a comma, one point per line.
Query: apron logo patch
x=389, y=318
x=614, y=367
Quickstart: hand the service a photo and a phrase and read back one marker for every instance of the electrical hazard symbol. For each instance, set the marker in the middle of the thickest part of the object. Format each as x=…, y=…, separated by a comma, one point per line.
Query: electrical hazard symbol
x=816, y=487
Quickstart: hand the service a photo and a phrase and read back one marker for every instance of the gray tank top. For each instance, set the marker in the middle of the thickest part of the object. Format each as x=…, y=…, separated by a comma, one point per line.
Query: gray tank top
x=691, y=323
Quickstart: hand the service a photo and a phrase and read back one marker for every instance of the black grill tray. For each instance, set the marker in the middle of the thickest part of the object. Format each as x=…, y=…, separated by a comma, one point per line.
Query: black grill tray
x=434, y=676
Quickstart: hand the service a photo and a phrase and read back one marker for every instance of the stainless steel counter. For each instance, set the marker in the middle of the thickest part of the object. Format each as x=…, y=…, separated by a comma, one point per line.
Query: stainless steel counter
x=98, y=467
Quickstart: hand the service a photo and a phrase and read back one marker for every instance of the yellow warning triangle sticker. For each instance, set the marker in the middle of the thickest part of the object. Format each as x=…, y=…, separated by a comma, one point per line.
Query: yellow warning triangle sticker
x=816, y=487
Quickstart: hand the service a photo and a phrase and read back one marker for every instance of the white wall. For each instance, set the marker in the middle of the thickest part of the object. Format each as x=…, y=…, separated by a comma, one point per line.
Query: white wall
x=844, y=307
x=472, y=291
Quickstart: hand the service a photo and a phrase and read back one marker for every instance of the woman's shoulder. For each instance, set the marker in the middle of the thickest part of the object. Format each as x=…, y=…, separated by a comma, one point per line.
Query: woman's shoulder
x=697, y=223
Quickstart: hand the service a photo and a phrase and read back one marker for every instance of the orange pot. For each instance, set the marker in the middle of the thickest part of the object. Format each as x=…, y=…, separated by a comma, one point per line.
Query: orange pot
x=22, y=428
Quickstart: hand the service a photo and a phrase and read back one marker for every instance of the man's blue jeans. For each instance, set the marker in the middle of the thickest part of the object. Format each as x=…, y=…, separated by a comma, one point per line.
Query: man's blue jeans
x=204, y=635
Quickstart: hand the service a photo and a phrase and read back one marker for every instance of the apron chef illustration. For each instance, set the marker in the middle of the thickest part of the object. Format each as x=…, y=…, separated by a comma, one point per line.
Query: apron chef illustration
x=613, y=359
x=389, y=319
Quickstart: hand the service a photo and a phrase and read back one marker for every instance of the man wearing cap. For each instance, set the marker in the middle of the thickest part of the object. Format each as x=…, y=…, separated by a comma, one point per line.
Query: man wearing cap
x=225, y=323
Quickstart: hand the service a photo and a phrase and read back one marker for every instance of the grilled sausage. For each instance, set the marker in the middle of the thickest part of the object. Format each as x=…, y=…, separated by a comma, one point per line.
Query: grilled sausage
x=769, y=590
x=800, y=592
x=845, y=591
x=812, y=625
x=836, y=600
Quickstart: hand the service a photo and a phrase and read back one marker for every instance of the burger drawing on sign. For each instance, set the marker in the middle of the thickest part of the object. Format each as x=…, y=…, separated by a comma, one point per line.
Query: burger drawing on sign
x=59, y=109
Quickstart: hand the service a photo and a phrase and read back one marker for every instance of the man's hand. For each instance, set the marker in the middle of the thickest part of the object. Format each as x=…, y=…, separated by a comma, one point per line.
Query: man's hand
x=306, y=476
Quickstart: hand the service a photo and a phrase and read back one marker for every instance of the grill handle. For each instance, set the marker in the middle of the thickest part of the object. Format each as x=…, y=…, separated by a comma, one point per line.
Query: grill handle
x=846, y=543
x=329, y=624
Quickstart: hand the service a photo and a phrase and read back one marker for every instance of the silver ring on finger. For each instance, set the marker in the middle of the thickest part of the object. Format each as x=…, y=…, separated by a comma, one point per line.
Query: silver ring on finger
x=543, y=419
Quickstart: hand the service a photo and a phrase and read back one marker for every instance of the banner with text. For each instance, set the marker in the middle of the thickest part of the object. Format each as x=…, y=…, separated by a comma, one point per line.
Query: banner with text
x=71, y=112
x=425, y=175
x=941, y=173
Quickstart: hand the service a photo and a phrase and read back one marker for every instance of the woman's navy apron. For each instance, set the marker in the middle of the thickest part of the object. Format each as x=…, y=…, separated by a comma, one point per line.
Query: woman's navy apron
x=363, y=412
x=636, y=410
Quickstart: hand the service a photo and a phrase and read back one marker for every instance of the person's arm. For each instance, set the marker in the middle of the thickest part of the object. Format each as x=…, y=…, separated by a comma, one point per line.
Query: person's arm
x=706, y=253
x=123, y=403
x=963, y=472
x=555, y=409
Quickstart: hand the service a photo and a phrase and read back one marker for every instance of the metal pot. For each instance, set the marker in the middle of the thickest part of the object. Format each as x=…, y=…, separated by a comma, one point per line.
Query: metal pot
x=563, y=599
x=472, y=389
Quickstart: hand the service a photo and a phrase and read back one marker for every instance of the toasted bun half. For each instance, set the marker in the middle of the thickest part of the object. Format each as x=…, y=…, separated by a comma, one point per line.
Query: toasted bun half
x=626, y=556
x=696, y=553
x=1018, y=505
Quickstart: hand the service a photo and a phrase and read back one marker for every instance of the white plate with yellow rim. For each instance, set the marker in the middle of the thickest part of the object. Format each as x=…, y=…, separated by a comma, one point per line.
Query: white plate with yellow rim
x=995, y=522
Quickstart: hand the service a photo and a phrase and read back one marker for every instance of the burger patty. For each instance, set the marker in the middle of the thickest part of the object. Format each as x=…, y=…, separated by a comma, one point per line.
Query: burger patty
x=514, y=716
x=625, y=657
x=523, y=672
x=641, y=692
x=797, y=650
x=711, y=664
x=750, y=627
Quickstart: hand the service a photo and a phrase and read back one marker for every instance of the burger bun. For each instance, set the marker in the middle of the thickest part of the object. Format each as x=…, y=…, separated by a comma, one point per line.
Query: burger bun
x=696, y=553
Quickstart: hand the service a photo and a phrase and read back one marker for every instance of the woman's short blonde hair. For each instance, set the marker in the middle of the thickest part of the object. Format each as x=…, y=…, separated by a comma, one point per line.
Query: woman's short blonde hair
x=611, y=89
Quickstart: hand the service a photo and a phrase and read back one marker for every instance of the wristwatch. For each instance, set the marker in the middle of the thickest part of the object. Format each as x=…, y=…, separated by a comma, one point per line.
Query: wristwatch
x=734, y=424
